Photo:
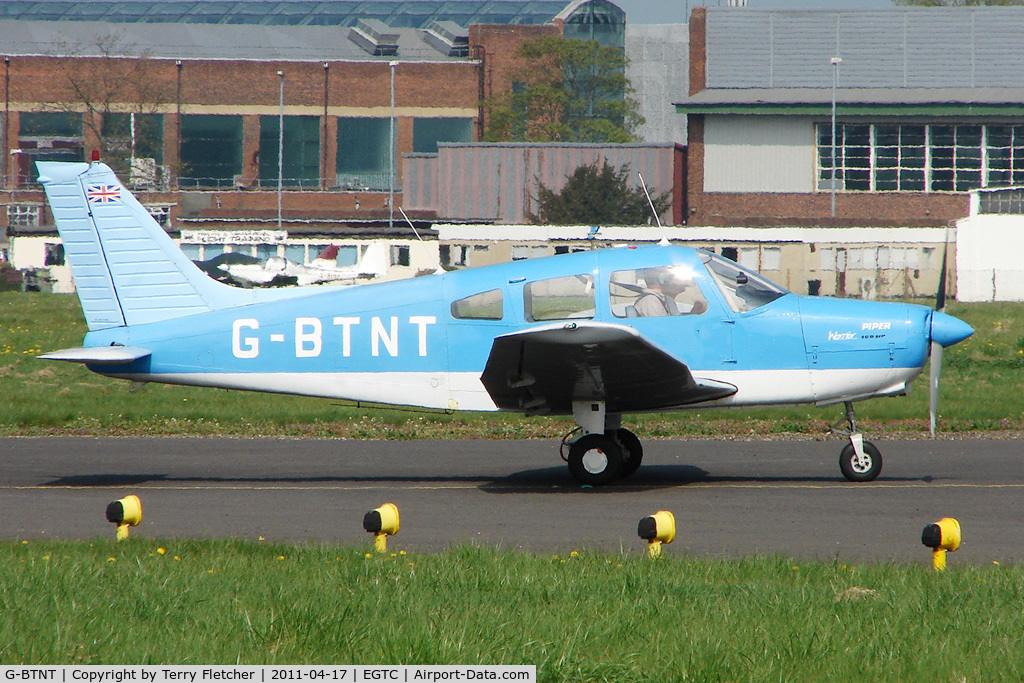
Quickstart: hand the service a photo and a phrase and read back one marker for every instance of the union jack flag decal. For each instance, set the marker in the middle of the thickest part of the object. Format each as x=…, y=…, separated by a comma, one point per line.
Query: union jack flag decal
x=103, y=194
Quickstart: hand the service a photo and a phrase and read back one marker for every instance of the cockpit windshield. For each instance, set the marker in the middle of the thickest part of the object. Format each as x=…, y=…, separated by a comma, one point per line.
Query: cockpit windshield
x=743, y=289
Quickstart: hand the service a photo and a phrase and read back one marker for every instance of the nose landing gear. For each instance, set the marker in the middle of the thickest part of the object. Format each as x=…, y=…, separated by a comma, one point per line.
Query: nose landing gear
x=859, y=460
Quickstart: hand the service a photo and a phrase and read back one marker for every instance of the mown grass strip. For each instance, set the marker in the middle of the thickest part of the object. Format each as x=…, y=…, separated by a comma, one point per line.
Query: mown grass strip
x=979, y=393
x=577, y=617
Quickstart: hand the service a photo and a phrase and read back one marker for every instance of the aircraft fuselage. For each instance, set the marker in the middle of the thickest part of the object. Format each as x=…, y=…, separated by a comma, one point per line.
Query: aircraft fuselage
x=401, y=342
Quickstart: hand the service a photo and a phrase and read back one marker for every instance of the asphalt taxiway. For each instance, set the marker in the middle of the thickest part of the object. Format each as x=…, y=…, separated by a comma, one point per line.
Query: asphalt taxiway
x=730, y=498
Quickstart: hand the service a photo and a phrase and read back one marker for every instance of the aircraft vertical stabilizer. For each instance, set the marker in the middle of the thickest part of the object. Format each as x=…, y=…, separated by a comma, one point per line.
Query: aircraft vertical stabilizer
x=127, y=270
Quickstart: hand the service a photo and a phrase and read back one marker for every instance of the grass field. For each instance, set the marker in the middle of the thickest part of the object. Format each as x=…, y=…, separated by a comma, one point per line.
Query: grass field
x=979, y=392
x=578, y=617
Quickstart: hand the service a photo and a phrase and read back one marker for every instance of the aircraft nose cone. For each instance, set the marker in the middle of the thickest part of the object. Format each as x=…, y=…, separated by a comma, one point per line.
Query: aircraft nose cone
x=947, y=330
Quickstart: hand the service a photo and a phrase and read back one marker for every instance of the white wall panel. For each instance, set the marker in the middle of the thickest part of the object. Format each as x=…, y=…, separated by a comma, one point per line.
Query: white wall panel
x=758, y=154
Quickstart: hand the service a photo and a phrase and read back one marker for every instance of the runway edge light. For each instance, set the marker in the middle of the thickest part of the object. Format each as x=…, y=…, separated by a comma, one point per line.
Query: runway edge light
x=657, y=529
x=944, y=535
x=125, y=513
x=382, y=522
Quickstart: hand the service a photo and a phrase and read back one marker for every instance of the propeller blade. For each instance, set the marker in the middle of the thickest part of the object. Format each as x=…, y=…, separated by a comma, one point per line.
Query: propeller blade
x=935, y=367
x=935, y=370
x=940, y=295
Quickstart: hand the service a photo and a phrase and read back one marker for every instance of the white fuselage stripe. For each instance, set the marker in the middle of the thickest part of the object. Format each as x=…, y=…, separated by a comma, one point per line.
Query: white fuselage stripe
x=464, y=391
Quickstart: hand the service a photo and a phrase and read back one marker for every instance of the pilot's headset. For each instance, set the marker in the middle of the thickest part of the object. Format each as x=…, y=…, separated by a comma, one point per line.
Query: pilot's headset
x=661, y=276
x=667, y=276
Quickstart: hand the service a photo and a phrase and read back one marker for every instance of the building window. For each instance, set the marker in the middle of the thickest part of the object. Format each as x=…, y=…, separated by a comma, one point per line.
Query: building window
x=54, y=255
x=900, y=158
x=399, y=255
x=877, y=258
x=771, y=258
x=426, y=133
x=999, y=201
x=266, y=251
x=23, y=215
x=211, y=150
x=920, y=158
x=301, y=167
x=134, y=135
x=348, y=256
x=454, y=254
x=1004, y=147
x=161, y=213
x=521, y=252
x=363, y=148
x=48, y=136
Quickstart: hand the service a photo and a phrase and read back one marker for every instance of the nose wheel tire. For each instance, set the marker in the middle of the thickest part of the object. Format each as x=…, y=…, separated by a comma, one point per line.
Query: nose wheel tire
x=632, y=450
x=595, y=460
x=860, y=469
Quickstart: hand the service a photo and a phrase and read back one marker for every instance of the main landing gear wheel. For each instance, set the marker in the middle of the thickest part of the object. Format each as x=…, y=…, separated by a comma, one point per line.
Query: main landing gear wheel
x=632, y=450
x=595, y=460
x=856, y=468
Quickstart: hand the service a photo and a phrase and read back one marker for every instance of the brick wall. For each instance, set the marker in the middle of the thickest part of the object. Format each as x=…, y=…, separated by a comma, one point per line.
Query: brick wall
x=246, y=88
x=497, y=45
x=855, y=209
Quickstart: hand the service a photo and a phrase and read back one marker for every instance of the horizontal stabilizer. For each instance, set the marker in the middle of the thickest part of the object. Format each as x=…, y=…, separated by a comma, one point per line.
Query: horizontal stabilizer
x=98, y=355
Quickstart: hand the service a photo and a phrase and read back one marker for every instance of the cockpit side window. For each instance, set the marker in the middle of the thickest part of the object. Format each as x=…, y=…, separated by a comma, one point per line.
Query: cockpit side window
x=654, y=292
x=744, y=290
x=483, y=306
x=559, y=298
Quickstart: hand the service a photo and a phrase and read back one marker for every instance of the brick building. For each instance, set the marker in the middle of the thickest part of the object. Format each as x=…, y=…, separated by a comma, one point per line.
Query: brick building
x=193, y=100
x=929, y=105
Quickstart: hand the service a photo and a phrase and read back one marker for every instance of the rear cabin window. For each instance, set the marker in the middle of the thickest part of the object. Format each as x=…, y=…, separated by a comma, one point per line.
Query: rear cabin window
x=487, y=305
x=559, y=298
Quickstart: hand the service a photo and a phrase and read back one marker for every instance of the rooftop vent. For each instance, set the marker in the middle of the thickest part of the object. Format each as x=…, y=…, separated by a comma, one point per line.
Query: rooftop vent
x=448, y=38
x=375, y=37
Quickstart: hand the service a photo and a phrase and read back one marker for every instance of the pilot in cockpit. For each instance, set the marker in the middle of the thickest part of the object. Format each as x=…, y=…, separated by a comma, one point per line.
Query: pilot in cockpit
x=669, y=292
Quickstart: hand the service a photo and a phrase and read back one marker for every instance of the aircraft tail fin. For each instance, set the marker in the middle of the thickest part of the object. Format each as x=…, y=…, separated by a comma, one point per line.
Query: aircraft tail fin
x=127, y=270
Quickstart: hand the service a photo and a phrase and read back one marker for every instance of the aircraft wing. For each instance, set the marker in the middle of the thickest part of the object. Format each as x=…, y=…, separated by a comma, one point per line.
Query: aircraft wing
x=545, y=369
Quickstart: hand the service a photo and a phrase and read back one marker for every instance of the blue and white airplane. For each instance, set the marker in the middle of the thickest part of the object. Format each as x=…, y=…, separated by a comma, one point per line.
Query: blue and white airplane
x=596, y=335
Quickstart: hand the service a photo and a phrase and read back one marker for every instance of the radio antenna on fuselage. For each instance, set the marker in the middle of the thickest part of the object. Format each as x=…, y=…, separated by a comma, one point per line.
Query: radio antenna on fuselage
x=410, y=224
x=440, y=269
x=664, y=239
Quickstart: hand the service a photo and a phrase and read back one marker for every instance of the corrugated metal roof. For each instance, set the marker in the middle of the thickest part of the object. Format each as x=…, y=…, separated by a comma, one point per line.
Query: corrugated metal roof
x=205, y=41
x=499, y=181
x=975, y=47
x=398, y=13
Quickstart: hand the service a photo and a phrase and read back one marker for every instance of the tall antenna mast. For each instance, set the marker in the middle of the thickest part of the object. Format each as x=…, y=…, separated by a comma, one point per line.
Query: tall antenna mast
x=664, y=239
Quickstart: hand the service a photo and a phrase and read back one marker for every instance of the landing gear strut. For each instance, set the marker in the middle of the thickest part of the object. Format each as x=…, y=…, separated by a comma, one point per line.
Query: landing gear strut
x=860, y=460
x=604, y=451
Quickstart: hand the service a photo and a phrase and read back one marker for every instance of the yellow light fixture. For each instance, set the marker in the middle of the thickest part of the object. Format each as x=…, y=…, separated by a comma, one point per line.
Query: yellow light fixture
x=657, y=529
x=942, y=536
x=126, y=512
x=382, y=522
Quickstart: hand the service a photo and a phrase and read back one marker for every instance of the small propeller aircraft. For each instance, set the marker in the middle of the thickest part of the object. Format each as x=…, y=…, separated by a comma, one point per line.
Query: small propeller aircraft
x=595, y=335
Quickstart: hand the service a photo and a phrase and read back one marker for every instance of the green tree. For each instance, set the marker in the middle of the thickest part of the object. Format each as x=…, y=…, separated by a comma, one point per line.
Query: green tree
x=118, y=90
x=565, y=90
x=598, y=196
